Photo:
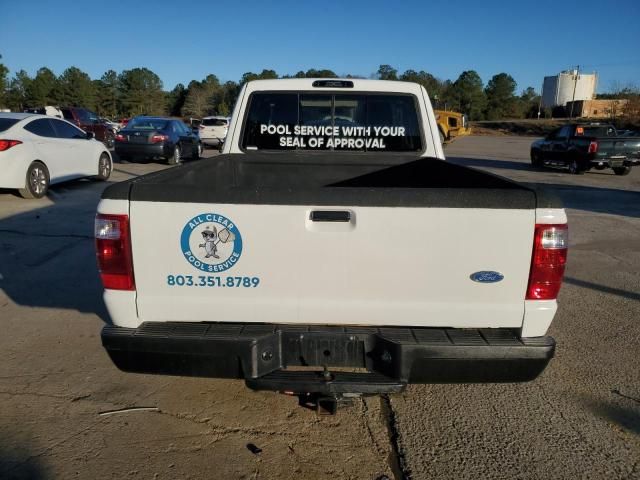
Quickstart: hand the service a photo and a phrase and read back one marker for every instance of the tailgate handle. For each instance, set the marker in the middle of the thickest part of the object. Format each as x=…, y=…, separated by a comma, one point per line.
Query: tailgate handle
x=330, y=216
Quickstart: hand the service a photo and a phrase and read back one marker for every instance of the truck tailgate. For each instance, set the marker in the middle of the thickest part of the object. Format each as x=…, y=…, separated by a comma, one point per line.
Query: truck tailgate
x=396, y=246
x=404, y=266
x=618, y=147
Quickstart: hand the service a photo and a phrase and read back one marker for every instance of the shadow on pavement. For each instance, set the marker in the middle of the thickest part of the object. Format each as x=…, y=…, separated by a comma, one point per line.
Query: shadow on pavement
x=47, y=256
x=603, y=288
x=20, y=465
x=596, y=199
x=626, y=417
x=579, y=197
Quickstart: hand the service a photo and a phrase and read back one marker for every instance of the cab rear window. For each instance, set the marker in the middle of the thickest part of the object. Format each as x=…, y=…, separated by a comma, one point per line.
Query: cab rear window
x=147, y=124
x=596, y=131
x=214, y=122
x=324, y=121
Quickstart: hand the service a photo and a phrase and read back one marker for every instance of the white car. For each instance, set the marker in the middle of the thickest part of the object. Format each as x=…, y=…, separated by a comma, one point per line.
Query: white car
x=37, y=151
x=213, y=130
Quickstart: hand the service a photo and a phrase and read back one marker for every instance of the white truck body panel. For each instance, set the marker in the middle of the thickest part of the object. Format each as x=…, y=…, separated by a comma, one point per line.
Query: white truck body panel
x=402, y=274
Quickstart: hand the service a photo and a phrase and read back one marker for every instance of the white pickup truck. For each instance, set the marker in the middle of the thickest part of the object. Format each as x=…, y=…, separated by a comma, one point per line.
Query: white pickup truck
x=330, y=250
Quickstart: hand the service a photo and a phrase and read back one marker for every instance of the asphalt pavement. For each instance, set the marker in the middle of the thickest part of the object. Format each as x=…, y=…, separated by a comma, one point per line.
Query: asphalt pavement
x=67, y=412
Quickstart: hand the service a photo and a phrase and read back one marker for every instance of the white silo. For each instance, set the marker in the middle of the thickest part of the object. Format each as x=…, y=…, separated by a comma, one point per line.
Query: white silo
x=559, y=89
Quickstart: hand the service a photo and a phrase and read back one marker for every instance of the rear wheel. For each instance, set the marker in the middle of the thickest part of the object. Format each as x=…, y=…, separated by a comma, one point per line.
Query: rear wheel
x=104, y=167
x=536, y=159
x=441, y=137
x=198, y=152
x=36, y=181
x=109, y=140
x=622, y=170
x=175, y=158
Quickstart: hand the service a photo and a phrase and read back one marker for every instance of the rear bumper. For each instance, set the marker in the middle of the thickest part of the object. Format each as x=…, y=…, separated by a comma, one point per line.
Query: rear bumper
x=615, y=162
x=266, y=356
x=143, y=149
x=213, y=141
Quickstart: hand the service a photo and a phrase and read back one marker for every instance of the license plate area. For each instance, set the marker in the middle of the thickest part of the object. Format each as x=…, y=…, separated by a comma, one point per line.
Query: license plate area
x=311, y=349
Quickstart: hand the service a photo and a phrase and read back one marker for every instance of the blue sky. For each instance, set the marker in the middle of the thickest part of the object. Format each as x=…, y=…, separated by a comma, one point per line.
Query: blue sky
x=185, y=40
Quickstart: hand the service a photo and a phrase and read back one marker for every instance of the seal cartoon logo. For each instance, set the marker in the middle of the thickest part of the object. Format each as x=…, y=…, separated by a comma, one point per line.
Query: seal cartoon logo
x=211, y=242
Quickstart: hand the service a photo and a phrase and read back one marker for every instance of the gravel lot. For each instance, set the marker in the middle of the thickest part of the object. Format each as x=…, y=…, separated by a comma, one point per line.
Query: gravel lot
x=580, y=419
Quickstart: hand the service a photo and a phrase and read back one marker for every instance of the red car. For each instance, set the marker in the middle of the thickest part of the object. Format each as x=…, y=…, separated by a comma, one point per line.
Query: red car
x=89, y=122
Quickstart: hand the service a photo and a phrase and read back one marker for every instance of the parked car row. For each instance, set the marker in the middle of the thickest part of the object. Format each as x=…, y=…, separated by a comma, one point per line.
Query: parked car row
x=212, y=130
x=39, y=150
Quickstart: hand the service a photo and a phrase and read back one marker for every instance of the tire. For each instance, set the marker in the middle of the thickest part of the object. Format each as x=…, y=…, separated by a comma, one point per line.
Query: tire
x=36, y=182
x=198, y=153
x=622, y=170
x=175, y=158
x=104, y=167
x=441, y=137
x=574, y=167
x=109, y=140
x=536, y=159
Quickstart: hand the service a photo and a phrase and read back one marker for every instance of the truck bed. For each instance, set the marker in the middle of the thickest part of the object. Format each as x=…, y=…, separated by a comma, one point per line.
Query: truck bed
x=326, y=179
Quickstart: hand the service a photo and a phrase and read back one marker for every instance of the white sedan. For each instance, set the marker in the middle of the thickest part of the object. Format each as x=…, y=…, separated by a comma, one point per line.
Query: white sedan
x=38, y=150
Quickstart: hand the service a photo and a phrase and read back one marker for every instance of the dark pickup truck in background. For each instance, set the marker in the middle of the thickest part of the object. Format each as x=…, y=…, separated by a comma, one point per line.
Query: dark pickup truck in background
x=580, y=147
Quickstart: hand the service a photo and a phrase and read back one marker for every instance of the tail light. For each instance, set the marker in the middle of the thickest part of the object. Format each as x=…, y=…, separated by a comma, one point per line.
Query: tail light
x=593, y=147
x=121, y=138
x=7, y=144
x=113, y=251
x=159, y=138
x=548, y=260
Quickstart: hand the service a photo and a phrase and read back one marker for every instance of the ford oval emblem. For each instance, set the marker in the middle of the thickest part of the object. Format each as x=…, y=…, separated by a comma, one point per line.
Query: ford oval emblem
x=486, y=277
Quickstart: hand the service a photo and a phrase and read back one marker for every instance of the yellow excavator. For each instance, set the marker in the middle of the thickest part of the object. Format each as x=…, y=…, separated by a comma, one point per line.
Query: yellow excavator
x=451, y=125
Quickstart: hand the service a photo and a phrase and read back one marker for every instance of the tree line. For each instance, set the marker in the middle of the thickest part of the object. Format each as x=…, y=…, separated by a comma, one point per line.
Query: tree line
x=140, y=91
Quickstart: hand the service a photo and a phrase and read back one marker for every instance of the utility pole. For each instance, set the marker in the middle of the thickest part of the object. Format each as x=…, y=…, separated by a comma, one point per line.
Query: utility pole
x=575, y=84
x=540, y=102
